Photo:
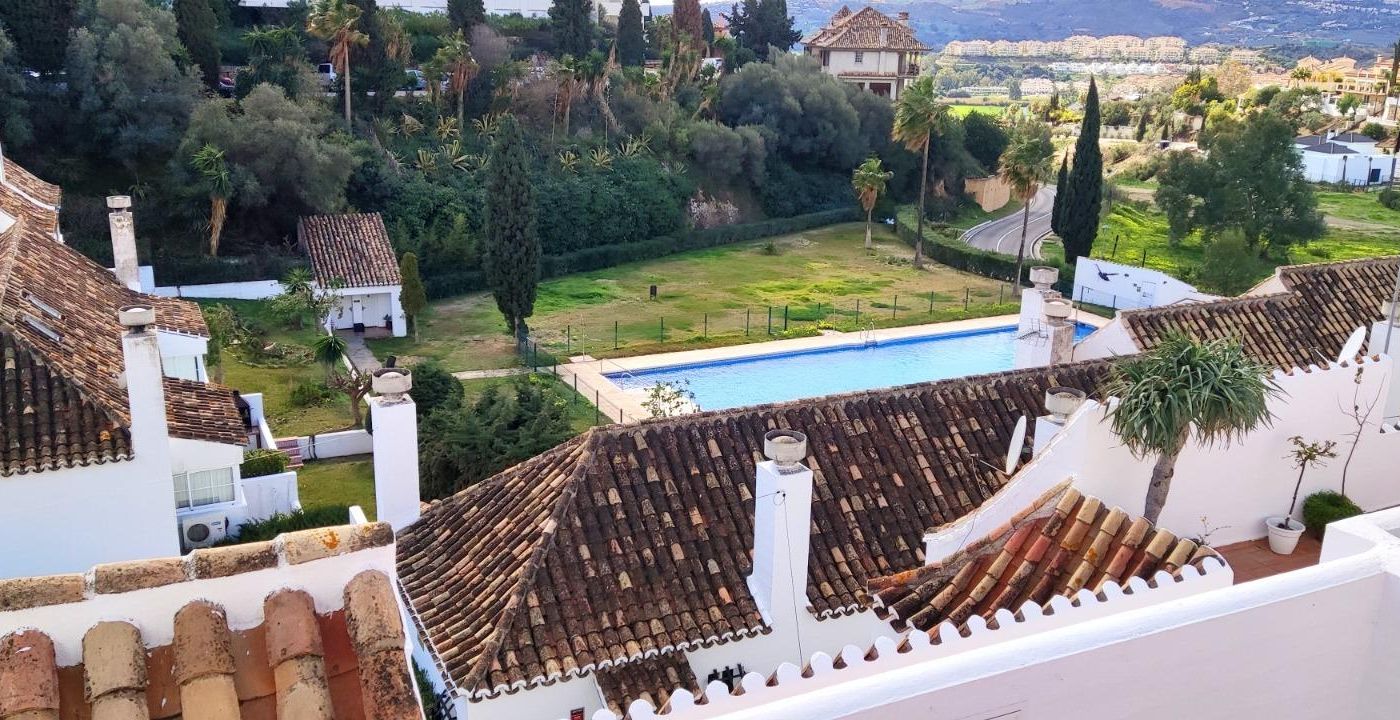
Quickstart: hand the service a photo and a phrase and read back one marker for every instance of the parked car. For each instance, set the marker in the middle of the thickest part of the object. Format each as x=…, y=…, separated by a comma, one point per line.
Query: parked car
x=414, y=80
x=226, y=85
x=326, y=75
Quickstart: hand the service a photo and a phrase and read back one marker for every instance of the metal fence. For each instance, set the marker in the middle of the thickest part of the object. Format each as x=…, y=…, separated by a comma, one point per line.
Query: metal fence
x=540, y=359
x=660, y=332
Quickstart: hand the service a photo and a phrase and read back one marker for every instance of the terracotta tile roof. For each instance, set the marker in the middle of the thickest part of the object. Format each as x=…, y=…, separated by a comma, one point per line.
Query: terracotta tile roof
x=1060, y=544
x=865, y=29
x=352, y=248
x=28, y=183
x=1308, y=324
x=652, y=679
x=58, y=326
x=198, y=411
x=632, y=540
x=296, y=663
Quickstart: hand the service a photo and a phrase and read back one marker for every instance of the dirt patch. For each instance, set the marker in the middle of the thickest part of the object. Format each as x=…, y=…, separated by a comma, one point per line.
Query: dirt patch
x=1362, y=225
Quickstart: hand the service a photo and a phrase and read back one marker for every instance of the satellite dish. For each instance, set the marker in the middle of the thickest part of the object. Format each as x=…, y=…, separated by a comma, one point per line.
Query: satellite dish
x=1018, y=441
x=1353, y=346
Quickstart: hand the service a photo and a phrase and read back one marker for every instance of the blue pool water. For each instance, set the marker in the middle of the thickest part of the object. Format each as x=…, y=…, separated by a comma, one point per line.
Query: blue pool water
x=810, y=373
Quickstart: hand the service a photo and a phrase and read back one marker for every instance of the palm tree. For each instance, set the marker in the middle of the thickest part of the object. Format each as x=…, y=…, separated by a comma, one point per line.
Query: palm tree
x=869, y=181
x=567, y=73
x=917, y=116
x=1212, y=387
x=209, y=162
x=338, y=23
x=328, y=350
x=454, y=59
x=1025, y=164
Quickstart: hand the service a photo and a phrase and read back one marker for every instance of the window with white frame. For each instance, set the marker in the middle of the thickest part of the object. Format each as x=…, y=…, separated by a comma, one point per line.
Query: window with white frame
x=860, y=57
x=203, y=487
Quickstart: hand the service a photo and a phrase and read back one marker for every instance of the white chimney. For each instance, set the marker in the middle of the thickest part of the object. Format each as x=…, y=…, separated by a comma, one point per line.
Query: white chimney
x=1048, y=340
x=123, y=232
x=395, y=421
x=151, y=464
x=1060, y=402
x=782, y=527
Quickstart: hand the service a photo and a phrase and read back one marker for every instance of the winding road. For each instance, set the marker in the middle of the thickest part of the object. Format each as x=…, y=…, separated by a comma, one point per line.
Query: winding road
x=1003, y=234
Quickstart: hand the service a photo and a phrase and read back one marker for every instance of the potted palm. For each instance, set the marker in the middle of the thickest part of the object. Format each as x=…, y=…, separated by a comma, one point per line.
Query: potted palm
x=1283, y=529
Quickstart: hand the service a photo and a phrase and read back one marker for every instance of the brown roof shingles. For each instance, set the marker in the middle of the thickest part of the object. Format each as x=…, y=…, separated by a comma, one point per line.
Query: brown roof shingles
x=293, y=665
x=1060, y=544
x=652, y=680
x=1306, y=325
x=633, y=540
x=352, y=248
x=865, y=29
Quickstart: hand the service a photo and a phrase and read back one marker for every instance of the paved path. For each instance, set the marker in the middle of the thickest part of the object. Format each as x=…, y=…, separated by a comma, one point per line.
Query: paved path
x=1003, y=235
x=358, y=352
x=493, y=373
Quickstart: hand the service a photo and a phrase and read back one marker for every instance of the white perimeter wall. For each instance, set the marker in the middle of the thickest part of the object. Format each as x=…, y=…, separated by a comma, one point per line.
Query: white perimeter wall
x=1127, y=286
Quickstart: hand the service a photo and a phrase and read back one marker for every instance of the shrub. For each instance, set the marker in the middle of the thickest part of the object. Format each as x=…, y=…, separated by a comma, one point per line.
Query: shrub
x=261, y=462
x=1389, y=197
x=303, y=519
x=1321, y=508
x=434, y=388
x=1375, y=131
x=310, y=392
x=1229, y=266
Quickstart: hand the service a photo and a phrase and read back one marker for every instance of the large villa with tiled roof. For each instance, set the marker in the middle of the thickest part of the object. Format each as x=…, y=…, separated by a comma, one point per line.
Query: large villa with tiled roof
x=868, y=49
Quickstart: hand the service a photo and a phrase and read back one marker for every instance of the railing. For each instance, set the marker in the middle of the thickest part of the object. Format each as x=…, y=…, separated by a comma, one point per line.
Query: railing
x=539, y=359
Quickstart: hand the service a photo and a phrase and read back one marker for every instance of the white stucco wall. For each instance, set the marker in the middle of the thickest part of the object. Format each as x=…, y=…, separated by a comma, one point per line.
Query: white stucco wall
x=60, y=521
x=376, y=301
x=548, y=702
x=1353, y=169
x=1111, y=340
x=1126, y=286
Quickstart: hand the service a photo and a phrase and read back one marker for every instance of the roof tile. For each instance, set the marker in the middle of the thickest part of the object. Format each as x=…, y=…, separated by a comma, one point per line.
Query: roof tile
x=351, y=248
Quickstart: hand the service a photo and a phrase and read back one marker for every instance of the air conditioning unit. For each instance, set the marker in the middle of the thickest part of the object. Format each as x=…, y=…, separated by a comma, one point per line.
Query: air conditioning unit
x=197, y=531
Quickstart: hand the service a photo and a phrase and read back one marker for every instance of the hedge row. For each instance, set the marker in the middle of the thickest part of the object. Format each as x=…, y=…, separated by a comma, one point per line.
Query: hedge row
x=956, y=254
x=203, y=270
x=603, y=256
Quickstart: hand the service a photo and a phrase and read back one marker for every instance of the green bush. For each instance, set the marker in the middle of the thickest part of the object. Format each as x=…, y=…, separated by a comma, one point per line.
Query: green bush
x=201, y=270
x=310, y=392
x=1324, y=507
x=1390, y=197
x=269, y=528
x=257, y=463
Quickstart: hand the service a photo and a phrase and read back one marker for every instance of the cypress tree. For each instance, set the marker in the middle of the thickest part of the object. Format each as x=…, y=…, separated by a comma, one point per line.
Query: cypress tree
x=631, y=42
x=707, y=27
x=686, y=20
x=464, y=14
x=1061, y=189
x=1080, y=221
x=572, y=23
x=198, y=31
x=777, y=29
x=412, y=295
x=512, y=247
x=39, y=29
x=1143, y=120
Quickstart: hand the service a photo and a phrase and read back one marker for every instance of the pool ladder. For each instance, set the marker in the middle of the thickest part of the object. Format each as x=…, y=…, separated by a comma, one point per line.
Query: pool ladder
x=1038, y=330
x=867, y=336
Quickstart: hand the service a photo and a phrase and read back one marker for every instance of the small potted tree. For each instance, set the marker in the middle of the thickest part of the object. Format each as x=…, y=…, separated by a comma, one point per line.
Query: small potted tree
x=1283, y=529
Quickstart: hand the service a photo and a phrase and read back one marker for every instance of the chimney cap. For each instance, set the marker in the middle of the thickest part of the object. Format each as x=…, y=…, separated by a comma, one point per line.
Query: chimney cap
x=136, y=317
x=392, y=383
x=787, y=448
x=1057, y=309
x=1043, y=276
x=118, y=202
x=1063, y=401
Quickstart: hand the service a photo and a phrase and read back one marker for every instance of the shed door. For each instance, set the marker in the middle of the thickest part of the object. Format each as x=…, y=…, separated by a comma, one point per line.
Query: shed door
x=357, y=312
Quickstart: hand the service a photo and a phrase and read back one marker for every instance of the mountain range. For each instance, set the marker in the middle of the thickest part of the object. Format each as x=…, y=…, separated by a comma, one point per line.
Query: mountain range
x=1325, y=23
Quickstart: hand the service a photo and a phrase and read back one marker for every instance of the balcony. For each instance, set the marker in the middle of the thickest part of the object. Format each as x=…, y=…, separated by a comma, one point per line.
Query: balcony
x=910, y=70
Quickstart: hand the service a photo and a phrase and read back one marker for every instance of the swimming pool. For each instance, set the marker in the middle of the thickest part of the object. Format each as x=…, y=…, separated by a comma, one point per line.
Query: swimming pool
x=722, y=384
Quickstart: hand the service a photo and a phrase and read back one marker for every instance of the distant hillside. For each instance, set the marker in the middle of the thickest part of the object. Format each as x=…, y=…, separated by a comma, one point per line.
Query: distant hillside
x=1240, y=22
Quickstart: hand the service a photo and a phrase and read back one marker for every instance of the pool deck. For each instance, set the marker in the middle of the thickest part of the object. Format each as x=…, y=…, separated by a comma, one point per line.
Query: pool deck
x=588, y=375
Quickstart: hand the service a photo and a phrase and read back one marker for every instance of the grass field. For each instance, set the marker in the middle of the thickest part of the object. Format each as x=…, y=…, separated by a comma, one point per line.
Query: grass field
x=965, y=110
x=705, y=297
x=276, y=384
x=340, y=481
x=1358, y=227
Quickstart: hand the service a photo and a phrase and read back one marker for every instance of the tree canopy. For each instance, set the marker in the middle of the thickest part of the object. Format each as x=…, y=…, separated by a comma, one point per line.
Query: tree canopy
x=631, y=43
x=15, y=129
x=512, y=245
x=1079, y=221
x=198, y=30
x=1250, y=181
x=572, y=24
x=40, y=30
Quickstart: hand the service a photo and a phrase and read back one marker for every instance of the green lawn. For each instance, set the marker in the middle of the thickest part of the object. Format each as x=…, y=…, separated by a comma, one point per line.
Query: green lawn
x=340, y=481
x=965, y=110
x=705, y=297
x=276, y=383
x=1136, y=233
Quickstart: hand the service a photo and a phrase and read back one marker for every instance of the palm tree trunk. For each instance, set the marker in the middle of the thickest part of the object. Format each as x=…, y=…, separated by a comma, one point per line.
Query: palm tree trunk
x=868, y=212
x=461, y=108
x=1161, y=483
x=218, y=211
x=1021, y=252
x=923, y=190
x=348, y=126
